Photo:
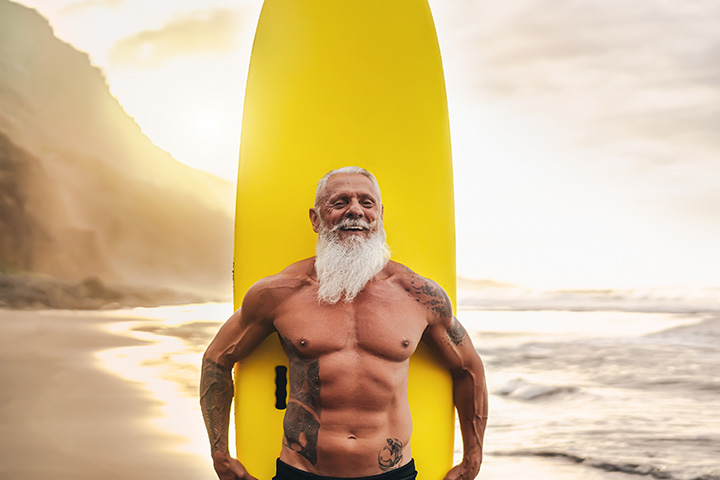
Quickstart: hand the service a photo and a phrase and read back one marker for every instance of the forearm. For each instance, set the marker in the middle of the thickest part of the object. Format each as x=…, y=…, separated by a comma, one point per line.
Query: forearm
x=216, y=394
x=471, y=401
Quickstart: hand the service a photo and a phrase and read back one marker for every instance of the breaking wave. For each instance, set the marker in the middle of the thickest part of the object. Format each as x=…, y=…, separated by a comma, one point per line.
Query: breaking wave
x=640, y=469
x=520, y=389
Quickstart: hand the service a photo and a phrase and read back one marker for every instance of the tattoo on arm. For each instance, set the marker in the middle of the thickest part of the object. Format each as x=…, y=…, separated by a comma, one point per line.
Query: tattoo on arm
x=301, y=423
x=216, y=393
x=431, y=296
x=456, y=332
x=390, y=455
x=436, y=300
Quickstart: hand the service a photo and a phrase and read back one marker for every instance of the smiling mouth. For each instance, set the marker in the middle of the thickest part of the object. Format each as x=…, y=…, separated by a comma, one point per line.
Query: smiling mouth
x=352, y=225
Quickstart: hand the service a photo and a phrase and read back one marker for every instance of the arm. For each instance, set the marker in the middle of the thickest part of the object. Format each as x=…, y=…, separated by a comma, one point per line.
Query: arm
x=235, y=340
x=447, y=337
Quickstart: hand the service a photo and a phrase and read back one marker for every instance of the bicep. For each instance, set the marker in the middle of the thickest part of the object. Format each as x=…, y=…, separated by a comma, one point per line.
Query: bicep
x=444, y=333
x=451, y=343
x=240, y=334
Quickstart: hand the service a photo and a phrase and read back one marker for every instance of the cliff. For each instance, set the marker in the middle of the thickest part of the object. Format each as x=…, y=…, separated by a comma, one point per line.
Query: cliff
x=83, y=192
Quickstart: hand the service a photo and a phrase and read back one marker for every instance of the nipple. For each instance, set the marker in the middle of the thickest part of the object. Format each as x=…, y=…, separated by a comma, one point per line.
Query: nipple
x=302, y=342
x=405, y=343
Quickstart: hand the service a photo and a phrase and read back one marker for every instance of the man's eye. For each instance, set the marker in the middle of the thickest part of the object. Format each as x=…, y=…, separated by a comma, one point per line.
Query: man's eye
x=368, y=204
x=339, y=204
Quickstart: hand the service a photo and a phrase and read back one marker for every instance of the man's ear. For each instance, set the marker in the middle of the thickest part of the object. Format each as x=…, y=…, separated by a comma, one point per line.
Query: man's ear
x=382, y=210
x=315, y=220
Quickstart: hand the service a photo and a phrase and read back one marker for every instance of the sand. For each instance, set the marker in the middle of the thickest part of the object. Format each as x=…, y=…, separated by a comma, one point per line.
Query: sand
x=63, y=417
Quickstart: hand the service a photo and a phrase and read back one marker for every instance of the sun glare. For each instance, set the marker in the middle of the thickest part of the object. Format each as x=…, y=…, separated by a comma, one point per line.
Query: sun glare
x=211, y=125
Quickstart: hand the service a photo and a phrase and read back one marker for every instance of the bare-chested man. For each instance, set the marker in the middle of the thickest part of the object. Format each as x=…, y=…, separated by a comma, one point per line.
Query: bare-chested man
x=348, y=320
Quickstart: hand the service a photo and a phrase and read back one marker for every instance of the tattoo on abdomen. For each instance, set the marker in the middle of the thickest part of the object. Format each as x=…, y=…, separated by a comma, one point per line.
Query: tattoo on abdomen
x=390, y=455
x=302, y=417
x=301, y=431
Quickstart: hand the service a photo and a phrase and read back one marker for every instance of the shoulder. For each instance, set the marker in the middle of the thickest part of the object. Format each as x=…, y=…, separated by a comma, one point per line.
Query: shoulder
x=424, y=290
x=443, y=328
x=274, y=289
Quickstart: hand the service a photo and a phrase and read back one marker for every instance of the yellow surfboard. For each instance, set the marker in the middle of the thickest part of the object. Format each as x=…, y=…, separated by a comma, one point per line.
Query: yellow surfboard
x=335, y=83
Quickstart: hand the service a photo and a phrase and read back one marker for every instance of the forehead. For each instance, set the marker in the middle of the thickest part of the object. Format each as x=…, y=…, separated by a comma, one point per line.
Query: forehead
x=349, y=184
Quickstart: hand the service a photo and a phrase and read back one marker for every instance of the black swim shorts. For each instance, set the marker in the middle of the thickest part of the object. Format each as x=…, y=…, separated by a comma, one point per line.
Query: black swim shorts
x=286, y=472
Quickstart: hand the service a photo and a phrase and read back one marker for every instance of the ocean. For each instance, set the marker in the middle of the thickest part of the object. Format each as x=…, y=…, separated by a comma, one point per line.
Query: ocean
x=585, y=395
x=624, y=392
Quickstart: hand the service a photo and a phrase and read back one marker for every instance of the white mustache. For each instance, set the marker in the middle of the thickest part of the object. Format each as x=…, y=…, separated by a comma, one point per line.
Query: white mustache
x=355, y=223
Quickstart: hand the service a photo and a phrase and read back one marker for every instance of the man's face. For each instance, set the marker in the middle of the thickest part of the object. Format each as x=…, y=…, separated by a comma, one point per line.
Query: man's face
x=351, y=202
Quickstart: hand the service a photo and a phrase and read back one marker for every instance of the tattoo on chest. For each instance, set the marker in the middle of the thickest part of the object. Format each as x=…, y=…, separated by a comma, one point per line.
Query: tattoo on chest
x=302, y=417
x=430, y=296
x=390, y=455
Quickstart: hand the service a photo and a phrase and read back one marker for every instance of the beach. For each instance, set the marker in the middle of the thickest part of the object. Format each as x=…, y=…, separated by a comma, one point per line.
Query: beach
x=113, y=394
x=64, y=416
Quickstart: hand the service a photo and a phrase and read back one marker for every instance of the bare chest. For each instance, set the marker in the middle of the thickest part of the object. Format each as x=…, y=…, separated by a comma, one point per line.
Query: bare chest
x=384, y=323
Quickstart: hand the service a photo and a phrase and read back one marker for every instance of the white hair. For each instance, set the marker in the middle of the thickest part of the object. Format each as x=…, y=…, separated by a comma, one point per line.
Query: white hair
x=322, y=183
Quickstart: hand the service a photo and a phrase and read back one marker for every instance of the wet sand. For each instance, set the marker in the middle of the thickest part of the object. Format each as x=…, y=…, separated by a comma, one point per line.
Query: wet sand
x=63, y=417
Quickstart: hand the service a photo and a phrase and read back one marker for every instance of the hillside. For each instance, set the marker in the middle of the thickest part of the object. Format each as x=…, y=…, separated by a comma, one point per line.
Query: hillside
x=83, y=193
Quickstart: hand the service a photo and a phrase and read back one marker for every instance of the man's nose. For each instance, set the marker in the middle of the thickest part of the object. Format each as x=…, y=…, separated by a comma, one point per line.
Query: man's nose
x=355, y=209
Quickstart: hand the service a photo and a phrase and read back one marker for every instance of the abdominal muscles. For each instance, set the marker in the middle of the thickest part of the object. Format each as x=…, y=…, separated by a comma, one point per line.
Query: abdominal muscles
x=359, y=424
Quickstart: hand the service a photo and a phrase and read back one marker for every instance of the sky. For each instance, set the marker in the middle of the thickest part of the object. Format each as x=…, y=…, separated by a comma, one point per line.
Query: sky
x=585, y=133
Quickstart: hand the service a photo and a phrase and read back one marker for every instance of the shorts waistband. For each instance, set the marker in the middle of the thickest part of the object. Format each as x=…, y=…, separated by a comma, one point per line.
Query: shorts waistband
x=288, y=472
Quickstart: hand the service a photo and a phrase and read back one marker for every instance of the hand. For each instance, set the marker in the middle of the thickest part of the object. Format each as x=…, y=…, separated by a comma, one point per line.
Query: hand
x=228, y=468
x=463, y=471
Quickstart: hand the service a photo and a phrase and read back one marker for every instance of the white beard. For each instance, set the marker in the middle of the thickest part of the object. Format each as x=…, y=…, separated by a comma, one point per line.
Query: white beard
x=344, y=268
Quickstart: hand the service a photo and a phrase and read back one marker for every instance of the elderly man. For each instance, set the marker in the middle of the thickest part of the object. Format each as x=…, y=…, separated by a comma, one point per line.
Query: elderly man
x=349, y=320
